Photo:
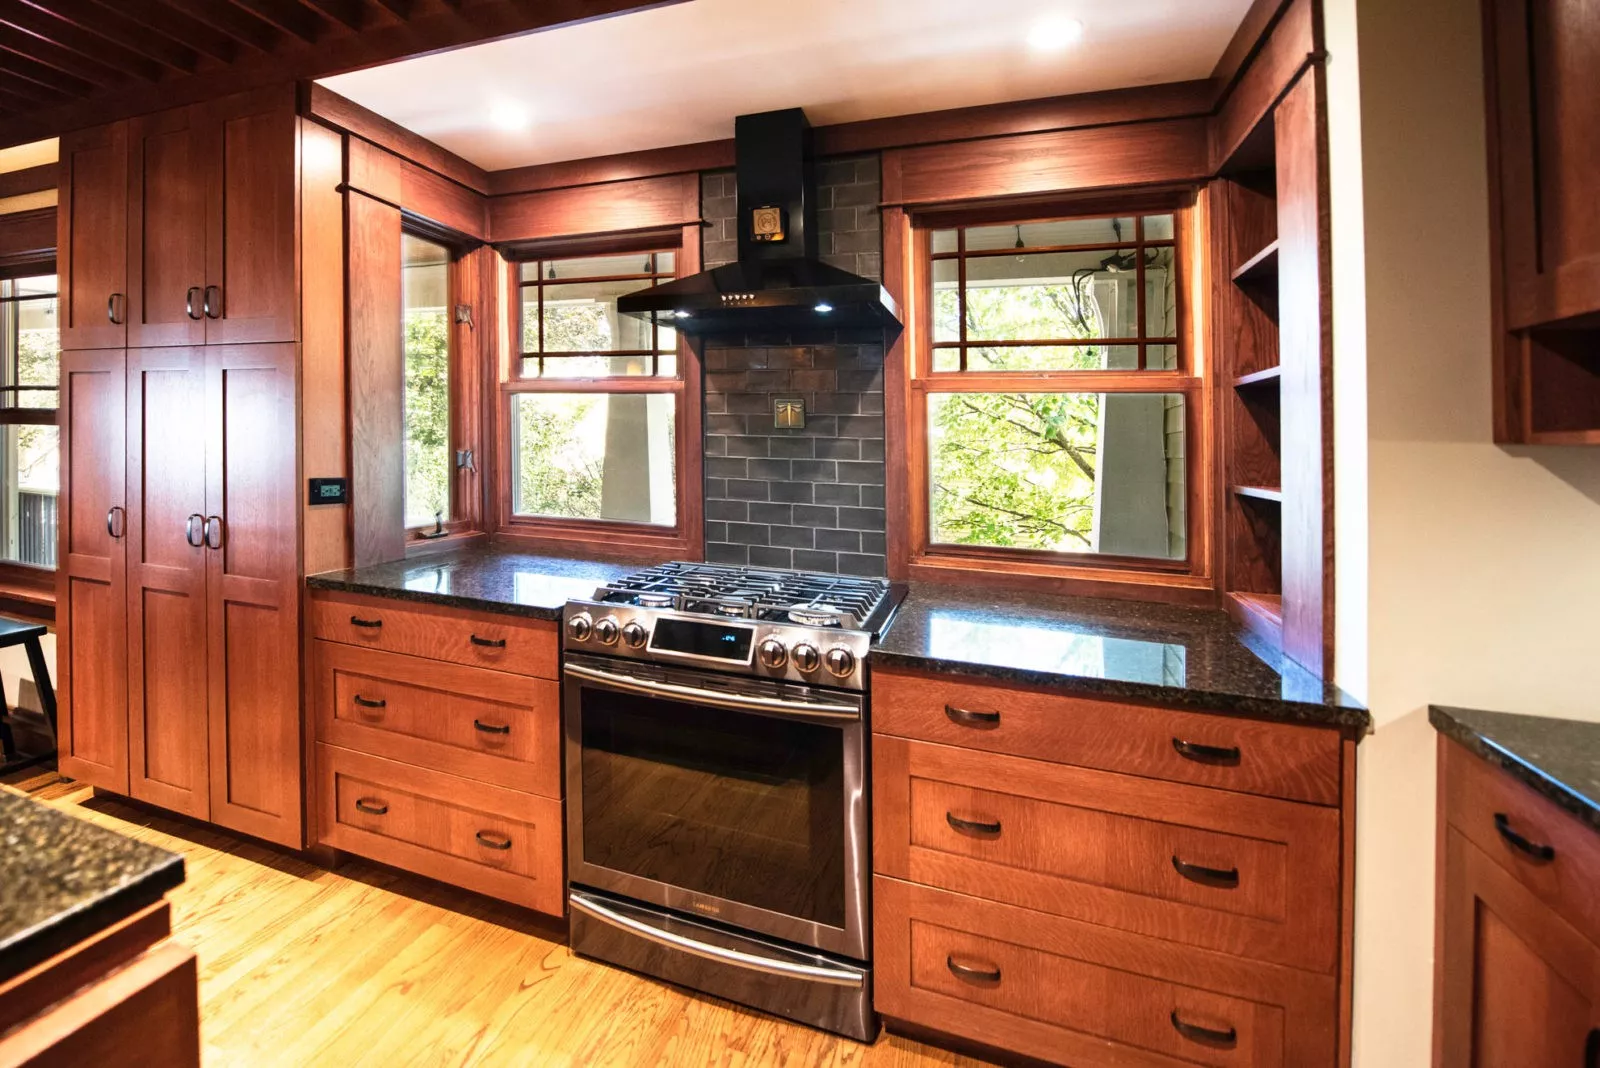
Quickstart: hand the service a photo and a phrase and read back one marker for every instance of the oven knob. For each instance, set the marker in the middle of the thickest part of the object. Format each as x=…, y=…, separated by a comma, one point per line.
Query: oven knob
x=579, y=627
x=806, y=657
x=841, y=661
x=634, y=635
x=773, y=654
x=606, y=630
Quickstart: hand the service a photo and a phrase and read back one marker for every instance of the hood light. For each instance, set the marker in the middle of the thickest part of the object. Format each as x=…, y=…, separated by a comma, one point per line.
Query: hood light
x=824, y=308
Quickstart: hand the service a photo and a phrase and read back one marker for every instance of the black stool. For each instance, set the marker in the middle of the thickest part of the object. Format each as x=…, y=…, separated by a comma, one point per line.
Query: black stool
x=27, y=635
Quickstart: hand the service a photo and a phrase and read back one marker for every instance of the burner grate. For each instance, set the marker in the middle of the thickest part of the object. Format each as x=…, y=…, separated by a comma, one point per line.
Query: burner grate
x=754, y=593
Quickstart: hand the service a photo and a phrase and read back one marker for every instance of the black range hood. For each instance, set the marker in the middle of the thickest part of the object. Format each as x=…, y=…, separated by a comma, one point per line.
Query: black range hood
x=778, y=284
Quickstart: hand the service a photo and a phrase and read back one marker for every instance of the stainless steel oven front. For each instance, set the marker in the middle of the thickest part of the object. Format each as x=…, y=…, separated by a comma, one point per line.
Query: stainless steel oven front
x=739, y=800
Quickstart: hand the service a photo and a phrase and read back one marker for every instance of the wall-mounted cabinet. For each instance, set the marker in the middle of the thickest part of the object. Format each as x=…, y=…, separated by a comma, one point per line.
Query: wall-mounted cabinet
x=1269, y=267
x=1544, y=172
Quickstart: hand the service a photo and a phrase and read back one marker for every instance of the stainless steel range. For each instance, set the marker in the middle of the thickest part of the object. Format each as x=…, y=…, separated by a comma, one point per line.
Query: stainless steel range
x=718, y=825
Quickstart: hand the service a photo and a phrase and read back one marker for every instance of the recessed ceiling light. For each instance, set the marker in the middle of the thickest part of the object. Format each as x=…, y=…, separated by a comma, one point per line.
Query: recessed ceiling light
x=1052, y=33
x=509, y=115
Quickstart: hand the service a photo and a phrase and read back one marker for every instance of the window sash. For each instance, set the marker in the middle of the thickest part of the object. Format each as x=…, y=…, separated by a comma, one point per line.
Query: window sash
x=540, y=283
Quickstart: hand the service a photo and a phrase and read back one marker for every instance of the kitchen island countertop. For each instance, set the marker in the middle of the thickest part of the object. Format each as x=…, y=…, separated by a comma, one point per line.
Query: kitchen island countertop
x=1559, y=758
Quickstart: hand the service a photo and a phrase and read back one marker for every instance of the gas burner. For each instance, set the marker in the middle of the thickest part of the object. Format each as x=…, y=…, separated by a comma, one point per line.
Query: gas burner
x=654, y=600
x=816, y=615
x=735, y=607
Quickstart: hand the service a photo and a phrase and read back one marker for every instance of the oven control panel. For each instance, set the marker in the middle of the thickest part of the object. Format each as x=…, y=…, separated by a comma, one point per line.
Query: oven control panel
x=818, y=656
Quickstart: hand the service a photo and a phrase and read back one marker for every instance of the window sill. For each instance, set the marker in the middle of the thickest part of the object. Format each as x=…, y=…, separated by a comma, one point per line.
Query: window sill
x=1166, y=586
x=428, y=546
x=28, y=600
x=600, y=541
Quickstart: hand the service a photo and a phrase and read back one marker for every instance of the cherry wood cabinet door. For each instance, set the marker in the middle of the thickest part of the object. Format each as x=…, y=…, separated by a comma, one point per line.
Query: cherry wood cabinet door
x=91, y=598
x=167, y=721
x=252, y=586
x=92, y=236
x=167, y=228
x=1518, y=986
x=251, y=267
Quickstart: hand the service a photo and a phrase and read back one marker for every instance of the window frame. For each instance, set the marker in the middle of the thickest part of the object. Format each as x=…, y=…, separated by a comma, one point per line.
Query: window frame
x=605, y=536
x=909, y=272
x=21, y=584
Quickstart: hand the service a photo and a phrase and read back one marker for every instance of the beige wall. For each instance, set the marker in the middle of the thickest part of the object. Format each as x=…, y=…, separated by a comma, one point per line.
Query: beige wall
x=1482, y=567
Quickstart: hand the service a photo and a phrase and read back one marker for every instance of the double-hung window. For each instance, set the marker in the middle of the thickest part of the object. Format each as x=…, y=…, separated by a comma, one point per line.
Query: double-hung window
x=1053, y=400
x=30, y=463
x=596, y=403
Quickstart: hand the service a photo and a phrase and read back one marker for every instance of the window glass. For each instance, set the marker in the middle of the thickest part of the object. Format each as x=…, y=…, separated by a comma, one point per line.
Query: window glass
x=595, y=456
x=30, y=465
x=570, y=317
x=425, y=293
x=1059, y=472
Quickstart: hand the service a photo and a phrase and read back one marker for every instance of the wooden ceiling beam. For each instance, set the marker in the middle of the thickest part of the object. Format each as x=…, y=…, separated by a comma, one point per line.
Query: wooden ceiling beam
x=400, y=9
x=25, y=66
x=225, y=20
x=64, y=35
x=37, y=95
x=49, y=54
x=287, y=16
x=126, y=26
x=351, y=14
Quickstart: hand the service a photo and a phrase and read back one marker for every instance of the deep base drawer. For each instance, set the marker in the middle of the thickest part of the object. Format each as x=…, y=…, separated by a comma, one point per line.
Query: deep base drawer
x=498, y=842
x=1083, y=995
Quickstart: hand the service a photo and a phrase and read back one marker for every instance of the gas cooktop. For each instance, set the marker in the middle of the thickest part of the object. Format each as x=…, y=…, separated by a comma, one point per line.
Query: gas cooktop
x=795, y=625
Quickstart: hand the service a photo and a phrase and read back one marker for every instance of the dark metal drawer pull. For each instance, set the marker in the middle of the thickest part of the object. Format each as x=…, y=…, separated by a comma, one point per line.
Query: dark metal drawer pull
x=372, y=808
x=1227, y=756
x=1221, y=878
x=1542, y=853
x=357, y=621
x=489, y=643
x=968, y=718
x=494, y=841
x=972, y=826
x=1205, y=1035
x=491, y=728
x=367, y=702
x=971, y=974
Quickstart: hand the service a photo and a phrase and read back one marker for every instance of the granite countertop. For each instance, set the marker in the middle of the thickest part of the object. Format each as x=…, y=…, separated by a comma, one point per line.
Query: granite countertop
x=1180, y=657
x=486, y=578
x=1559, y=758
x=63, y=879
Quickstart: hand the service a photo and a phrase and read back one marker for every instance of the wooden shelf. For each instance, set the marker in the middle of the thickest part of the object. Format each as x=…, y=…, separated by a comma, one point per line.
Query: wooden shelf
x=1268, y=376
x=1259, y=613
x=1260, y=269
x=1260, y=493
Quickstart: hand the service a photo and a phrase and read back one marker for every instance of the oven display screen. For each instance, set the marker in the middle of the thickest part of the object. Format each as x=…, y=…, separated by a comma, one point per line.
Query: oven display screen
x=690, y=638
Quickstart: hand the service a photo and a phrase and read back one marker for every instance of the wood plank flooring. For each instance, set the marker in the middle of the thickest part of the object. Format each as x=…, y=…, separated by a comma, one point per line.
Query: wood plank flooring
x=368, y=966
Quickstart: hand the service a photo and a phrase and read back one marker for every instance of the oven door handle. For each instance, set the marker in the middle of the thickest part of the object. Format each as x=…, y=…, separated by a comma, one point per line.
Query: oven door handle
x=737, y=702
x=739, y=959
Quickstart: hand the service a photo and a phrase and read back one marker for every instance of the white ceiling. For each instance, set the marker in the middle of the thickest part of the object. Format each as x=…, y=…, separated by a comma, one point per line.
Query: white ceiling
x=679, y=74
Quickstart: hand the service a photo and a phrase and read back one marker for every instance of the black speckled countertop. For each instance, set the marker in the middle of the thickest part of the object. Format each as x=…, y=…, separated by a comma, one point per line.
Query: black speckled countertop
x=63, y=879
x=1559, y=758
x=489, y=579
x=1180, y=657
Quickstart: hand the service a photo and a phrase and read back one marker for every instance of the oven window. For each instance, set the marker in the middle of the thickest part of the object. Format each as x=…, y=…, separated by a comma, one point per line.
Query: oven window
x=737, y=806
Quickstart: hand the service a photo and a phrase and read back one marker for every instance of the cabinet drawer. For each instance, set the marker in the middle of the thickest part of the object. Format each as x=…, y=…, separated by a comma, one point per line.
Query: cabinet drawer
x=498, y=842
x=478, y=639
x=1480, y=798
x=490, y=726
x=1081, y=994
x=1245, y=875
x=1275, y=759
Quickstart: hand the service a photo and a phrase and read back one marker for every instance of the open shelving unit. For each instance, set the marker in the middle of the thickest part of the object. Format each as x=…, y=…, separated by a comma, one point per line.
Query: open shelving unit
x=1268, y=248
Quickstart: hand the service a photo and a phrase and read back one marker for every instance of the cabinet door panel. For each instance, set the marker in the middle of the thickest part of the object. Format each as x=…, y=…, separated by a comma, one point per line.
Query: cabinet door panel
x=1519, y=987
x=250, y=234
x=92, y=236
x=167, y=235
x=91, y=597
x=252, y=589
x=167, y=696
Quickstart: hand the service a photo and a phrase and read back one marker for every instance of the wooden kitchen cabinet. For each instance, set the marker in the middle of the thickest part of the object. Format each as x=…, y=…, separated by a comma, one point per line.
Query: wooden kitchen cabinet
x=92, y=238
x=1054, y=877
x=179, y=228
x=1518, y=960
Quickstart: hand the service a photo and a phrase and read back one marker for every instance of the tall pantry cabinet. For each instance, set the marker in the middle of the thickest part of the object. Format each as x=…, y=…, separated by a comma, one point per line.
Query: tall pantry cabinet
x=177, y=607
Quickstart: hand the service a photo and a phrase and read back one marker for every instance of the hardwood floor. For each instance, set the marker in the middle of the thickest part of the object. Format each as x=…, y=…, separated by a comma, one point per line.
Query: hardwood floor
x=368, y=966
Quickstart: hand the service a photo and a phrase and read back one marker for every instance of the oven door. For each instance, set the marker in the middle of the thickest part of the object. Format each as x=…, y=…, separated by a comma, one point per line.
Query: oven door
x=739, y=800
